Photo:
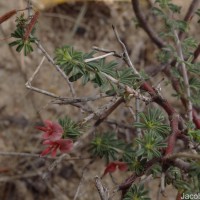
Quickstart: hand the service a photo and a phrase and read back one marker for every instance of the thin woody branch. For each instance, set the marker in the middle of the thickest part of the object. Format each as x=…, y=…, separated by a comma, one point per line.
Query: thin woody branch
x=99, y=57
x=107, y=51
x=183, y=155
x=34, y=155
x=127, y=58
x=185, y=76
x=7, y=15
x=190, y=13
x=102, y=190
x=154, y=37
x=128, y=89
x=65, y=101
x=196, y=54
x=103, y=116
x=50, y=59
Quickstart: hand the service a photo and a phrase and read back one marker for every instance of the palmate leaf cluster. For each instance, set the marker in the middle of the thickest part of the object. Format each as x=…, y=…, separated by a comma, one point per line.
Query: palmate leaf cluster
x=154, y=122
x=107, y=146
x=151, y=146
x=135, y=163
x=193, y=133
x=137, y=192
x=136, y=154
x=71, y=129
x=176, y=178
x=73, y=63
x=155, y=131
x=18, y=35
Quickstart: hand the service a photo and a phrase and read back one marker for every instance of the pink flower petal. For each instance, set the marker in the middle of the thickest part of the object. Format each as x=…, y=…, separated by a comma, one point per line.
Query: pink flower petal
x=45, y=135
x=111, y=167
x=52, y=130
x=48, y=142
x=46, y=151
x=48, y=123
x=53, y=153
x=122, y=166
x=57, y=127
x=41, y=128
x=65, y=145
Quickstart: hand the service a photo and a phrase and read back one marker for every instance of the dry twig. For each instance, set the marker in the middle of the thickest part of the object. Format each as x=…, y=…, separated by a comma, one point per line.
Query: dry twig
x=50, y=59
x=103, y=191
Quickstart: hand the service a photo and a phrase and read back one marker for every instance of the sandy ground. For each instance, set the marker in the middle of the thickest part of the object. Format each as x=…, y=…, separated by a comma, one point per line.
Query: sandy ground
x=21, y=109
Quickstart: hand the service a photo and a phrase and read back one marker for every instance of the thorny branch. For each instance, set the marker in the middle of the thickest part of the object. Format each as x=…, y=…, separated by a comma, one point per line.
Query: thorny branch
x=173, y=116
x=152, y=35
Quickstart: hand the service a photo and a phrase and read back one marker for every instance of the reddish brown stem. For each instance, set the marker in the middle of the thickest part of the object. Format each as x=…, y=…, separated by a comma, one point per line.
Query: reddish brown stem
x=158, y=99
x=31, y=25
x=179, y=195
x=196, y=54
x=196, y=119
x=175, y=132
x=109, y=111
x=7, y=16
x=154, y=37
x=128, y=182
x=189, y=15
x=173, y=116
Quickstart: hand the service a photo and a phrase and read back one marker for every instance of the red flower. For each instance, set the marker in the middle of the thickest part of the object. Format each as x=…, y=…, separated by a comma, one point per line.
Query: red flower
x=111, y=167
x=64, y=145
x=53, y=130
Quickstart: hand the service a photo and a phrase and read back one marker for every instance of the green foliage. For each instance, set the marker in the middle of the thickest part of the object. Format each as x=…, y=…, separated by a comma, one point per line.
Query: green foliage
x=175, y=177
x=167, y=5
x=153, y=122
x=135, y=163
x=71, y=129
x=153, y=125
x=163, y=3
x=74, y=65
x=193, y=132
x=174, y=173
x=127, y=77
x=106, y=146
x=194, y=83
x=156, y=170
x=193, y=67
x=198, y=14
x=150, y=146
x=136, y=192
x=165, y=54
x=189, y=44
x=195, y=170
x=20, y=42
x=195, y=98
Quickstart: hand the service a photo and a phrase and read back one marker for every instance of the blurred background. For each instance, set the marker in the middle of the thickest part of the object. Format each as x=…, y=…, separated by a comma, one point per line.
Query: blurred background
x=82, y=24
